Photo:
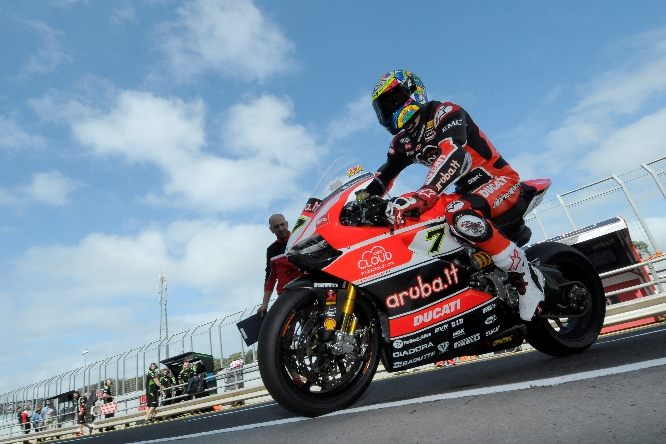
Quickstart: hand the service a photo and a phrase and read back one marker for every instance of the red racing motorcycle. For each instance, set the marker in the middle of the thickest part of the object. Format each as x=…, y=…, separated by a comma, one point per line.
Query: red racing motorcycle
x=407, y=297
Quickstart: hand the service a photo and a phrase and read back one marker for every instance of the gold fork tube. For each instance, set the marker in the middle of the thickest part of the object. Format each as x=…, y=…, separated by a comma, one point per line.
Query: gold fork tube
x=348, y=310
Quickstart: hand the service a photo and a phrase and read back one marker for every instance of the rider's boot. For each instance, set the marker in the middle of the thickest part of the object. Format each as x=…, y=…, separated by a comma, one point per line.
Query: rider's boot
x=513, y=261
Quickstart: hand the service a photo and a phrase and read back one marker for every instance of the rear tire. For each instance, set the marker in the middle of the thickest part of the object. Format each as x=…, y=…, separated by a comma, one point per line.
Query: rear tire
x=291, y=345
x=574, y=334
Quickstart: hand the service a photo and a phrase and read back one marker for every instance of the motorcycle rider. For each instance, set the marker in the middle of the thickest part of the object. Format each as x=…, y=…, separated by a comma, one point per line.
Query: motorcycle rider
x=443, y=137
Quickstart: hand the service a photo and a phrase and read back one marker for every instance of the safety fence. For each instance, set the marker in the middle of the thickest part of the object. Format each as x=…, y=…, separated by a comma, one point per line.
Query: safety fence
x=220, y=338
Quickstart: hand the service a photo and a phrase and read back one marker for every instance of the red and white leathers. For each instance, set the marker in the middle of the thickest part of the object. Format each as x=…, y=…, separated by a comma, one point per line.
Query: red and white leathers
x=444, y=138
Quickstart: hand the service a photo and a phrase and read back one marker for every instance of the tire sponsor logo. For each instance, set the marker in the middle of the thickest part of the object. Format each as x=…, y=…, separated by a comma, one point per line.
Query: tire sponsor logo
x=411, y=351
x=490, y=319
x=401, y=364
x=424, y=289
x=468, y=340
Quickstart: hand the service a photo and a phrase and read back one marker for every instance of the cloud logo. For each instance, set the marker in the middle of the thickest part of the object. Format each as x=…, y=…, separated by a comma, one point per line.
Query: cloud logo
x=377, y=255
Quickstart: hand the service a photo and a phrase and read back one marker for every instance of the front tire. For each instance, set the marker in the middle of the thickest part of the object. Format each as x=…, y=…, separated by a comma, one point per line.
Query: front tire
x=568, y=335
x=293, y=343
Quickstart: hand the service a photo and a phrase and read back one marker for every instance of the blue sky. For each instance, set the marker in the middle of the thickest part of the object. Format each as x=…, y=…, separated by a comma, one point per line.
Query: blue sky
x=148, y=137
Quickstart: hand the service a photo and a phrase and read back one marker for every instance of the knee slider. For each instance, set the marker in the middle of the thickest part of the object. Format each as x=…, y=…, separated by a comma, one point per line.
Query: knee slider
x=471, y=226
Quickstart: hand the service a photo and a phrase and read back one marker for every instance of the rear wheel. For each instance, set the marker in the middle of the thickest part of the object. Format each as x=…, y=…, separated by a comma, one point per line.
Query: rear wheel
x=583, y=298
x=293, y=346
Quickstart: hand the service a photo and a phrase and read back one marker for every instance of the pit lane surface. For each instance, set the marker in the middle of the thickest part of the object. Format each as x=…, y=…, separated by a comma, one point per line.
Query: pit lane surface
x=613, y=392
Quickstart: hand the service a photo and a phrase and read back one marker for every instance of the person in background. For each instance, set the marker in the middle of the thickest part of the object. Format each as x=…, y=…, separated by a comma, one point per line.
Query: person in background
x=153, y=387
x=24, y=419
x=168, y=381
x=37, y=420
x=80, y=409
x=278, y=269
x=107, y=397
x=49, y=415
x=185, y=374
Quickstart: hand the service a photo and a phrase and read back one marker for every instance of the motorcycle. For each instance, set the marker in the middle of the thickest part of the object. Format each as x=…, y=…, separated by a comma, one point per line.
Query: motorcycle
x=408, y=297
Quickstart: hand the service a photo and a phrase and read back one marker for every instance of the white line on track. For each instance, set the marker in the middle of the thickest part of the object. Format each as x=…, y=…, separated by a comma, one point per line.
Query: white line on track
x=548, y=382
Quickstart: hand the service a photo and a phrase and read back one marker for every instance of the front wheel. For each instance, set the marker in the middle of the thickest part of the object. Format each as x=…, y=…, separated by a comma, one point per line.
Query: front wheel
x=565, y=335
x=299, y=364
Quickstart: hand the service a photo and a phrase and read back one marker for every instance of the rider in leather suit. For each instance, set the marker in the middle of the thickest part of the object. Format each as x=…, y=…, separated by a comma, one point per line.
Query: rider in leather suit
x=444, y=138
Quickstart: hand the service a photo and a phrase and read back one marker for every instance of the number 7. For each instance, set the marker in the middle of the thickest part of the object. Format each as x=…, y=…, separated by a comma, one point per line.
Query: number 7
x=438, y=235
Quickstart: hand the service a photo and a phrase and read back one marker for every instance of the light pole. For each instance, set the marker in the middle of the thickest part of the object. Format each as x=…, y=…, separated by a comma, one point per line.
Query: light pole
x=85, y=352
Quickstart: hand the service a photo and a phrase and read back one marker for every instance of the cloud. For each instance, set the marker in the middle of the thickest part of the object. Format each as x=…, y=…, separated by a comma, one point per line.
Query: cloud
x=50, y=55
x=621, y=112
x=230, y=37
x=51, y=188
x=101, y=291
x=11, y=136
x=261, y=156
x=358, y=116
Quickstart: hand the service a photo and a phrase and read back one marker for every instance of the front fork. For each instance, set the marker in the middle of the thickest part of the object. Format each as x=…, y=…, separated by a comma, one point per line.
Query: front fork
x=344, y=337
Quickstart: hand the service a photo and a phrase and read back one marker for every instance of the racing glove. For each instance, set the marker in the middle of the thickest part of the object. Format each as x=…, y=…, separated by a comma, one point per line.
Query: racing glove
x=410, y=205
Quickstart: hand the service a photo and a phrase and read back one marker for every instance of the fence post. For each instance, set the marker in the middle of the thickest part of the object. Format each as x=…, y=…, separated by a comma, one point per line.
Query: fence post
x=638, y=214
x=538, y=219
x=655, y=176
x=210, y=338
x=566, y=211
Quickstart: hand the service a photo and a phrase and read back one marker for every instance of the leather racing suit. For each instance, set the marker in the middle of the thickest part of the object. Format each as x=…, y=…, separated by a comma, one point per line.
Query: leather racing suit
x=446, y=139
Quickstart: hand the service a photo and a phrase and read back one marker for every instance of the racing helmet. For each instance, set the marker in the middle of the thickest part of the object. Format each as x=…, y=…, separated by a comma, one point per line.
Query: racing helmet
x=397, y=97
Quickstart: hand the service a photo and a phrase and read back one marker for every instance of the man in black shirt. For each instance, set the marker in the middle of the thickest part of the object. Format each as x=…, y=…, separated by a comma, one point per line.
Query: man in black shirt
x=153, y=386
x=167, y=380
x=185, y=374
x=107, y=396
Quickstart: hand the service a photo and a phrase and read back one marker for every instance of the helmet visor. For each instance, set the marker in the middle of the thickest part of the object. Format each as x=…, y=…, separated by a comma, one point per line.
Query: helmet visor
x=388, y=103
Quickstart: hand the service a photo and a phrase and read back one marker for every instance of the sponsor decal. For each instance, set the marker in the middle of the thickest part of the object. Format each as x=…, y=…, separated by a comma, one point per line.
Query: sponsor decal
x=457, y=322
x=426, y=193
x=331, y=297
x=430, y=131
x=399, y=343
x=490, y=319
x=323, y=220
x=451, y=124
x=454, y=206
x=472, y=226
x=468, y=340
x=330, y=311
x=411, y=351
x=424, y=289
x=459, y=333
x=442, y=327
x=391, y=150
x=400, y=364
x=405, y=140
x=375, y=259
x=505, y=196
x=329, y=324
x=500, y=341
x=493, y=186
x=492, y=331
x=446, y=175
x=436, y=313
x=408, y=147
x=441, y=112
x=515, y=260
x=474, y=178
x=442, y=310
x=353, y=171
x=443, y=347
x=434, y=167
x=325, y=285
x=312, y=205
x=299, y=223
x=489, y=307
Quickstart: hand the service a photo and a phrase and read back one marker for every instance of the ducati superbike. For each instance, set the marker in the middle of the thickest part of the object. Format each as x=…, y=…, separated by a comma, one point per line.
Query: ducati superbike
x=407, y=297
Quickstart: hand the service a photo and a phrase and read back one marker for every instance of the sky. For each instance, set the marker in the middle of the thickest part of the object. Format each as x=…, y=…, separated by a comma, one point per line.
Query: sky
x=140, y=138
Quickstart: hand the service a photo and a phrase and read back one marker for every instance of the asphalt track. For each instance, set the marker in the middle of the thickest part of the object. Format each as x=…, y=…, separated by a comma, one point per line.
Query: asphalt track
x=615, y=392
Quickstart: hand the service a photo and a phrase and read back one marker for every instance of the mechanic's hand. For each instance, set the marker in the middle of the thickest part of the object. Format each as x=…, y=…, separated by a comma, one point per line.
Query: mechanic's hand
x=262, y=310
